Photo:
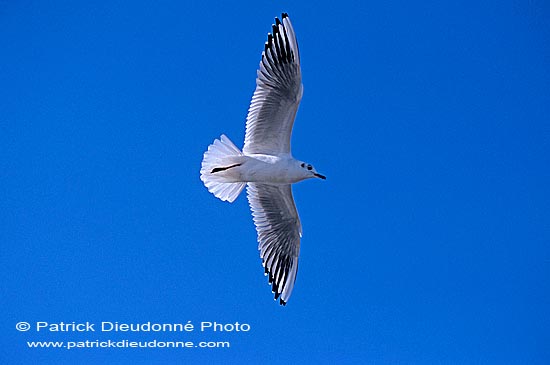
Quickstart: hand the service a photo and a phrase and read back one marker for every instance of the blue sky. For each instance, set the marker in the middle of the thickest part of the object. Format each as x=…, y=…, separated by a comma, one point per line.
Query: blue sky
x=428, y=242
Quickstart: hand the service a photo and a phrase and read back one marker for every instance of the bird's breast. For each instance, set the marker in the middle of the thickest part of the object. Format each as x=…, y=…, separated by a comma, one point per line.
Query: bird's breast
x=268, y=169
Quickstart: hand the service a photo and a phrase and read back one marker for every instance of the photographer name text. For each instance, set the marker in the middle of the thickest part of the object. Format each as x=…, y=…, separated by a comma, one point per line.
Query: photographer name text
x=106, y=326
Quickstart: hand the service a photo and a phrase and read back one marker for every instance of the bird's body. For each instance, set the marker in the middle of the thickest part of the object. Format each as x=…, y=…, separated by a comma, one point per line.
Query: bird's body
x=262, y=168
x=265, y=165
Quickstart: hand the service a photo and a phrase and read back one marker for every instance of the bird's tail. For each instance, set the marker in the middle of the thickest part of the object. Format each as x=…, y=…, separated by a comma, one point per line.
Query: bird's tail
x=216, y=173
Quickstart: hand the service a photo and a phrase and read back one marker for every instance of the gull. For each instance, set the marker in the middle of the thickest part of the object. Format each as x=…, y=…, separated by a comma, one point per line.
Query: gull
x=265, y=165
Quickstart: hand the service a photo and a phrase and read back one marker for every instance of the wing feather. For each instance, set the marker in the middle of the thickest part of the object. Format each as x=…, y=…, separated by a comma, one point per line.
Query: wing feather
x=278, y=93
x=279, y=231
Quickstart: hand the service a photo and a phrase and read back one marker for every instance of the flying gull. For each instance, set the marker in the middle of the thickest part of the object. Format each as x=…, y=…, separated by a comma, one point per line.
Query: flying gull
x=265, y=165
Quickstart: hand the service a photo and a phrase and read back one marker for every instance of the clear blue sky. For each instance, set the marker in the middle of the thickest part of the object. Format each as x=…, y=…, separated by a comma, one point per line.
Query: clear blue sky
x=428, y=242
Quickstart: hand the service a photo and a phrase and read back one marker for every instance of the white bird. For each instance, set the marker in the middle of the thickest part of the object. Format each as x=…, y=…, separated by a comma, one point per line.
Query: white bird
x=265, y=164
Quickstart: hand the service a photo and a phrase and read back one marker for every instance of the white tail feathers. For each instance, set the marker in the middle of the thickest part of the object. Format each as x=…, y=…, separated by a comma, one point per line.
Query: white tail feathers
x=221, y=156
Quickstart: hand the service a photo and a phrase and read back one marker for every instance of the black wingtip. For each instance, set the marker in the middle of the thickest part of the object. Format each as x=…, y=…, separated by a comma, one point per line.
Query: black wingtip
x=277, y=21
x=284, y=15
x=282, y=302
x=269, y=41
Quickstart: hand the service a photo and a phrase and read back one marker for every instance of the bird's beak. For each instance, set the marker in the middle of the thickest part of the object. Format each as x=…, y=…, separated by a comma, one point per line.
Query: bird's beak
x=320, y=176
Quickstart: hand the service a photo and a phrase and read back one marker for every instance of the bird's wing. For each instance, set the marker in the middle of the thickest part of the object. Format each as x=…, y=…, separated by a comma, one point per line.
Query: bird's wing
x=278, y=93
x=279, y=231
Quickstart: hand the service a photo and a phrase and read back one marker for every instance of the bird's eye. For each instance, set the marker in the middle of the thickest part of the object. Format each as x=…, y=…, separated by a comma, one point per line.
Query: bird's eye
x=309, y=167
x=303, y=164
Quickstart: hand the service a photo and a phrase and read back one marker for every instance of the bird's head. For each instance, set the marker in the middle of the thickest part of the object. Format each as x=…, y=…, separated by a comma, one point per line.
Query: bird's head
x=310, y=171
